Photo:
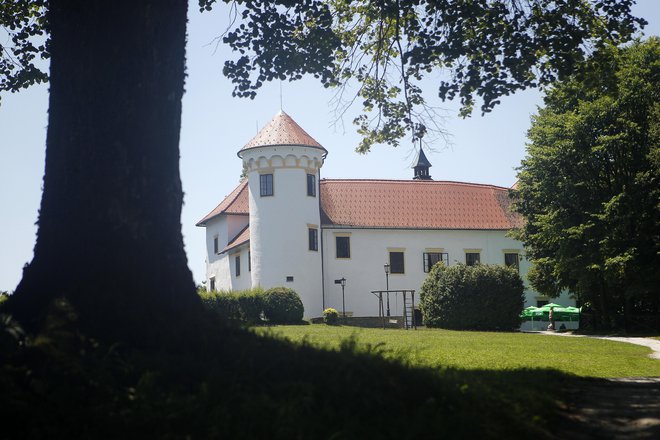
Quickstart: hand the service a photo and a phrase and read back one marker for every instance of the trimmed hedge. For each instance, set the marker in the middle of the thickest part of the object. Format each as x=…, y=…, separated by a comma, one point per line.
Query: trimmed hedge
x=283, y=306
x=480, y=297
x=243, y=306
x=251, y=305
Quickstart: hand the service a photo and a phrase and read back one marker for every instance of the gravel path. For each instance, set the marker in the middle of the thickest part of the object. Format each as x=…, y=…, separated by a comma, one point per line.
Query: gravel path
x=622, y=408
x=653, y=344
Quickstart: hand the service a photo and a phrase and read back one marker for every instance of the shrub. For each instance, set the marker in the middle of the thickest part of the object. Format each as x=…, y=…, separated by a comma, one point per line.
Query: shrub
x=282, y=306
x=244, y=306
x=480, y=297
x=251, y=305
x=330, y=316
x=224, y=304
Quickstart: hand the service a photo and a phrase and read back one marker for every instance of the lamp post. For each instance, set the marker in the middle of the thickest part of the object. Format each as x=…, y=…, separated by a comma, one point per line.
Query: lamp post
x=387, y=286
x=342, y=281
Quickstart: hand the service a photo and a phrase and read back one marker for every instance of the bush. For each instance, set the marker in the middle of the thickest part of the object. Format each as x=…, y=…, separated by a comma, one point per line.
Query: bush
x=282, y=306
x=244, y=306
x=224, y=304
x=251, y=305
x=480, y=297
x=330, y=316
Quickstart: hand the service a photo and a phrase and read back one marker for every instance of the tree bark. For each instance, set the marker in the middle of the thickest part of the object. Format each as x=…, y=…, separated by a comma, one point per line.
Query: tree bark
x=109, y=231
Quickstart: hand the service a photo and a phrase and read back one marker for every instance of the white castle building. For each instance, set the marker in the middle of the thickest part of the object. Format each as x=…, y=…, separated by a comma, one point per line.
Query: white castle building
x=283, y=226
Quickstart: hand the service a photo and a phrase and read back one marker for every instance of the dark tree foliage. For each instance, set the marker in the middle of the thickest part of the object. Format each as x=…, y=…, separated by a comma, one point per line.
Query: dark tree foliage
x=480, y=50
x=590, y=186
x=473, y=50
x=25, y=24
x=480, y=297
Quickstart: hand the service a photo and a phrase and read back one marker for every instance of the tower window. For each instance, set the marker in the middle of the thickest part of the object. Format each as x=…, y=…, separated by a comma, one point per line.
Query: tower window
x=311, y=185
x=266, y=185
x=238, y=265
x=313, y=235
x=215, y=245
x=343, y=245
x=212, y=284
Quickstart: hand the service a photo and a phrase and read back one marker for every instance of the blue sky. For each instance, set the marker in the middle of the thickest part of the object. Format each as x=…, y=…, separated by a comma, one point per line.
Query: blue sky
x=215, y=126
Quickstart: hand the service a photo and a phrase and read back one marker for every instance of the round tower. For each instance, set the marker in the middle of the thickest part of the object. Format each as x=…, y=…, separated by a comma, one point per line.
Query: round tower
x=283, y=163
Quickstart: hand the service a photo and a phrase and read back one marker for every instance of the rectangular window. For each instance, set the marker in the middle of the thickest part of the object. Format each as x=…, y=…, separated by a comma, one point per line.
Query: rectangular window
x=215, y=245
x=249, y=261
x=212, y=284
x=343, y=245
x=313, y=235
x=266, y=185
x=431, y=258
x=311, y=185
x=472, y=258
x=511, y=260
x=396, y=262
x=238, y=265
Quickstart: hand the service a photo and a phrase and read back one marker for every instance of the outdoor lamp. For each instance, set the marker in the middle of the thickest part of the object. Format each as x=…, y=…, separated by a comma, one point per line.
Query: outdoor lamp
x=387, y=285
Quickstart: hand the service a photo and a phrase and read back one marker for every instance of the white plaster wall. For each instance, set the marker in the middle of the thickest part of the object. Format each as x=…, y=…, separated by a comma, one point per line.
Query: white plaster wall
x=235, y=224
x=364, y=271
x=243, y=281
x=279, y=223
x=217, y=264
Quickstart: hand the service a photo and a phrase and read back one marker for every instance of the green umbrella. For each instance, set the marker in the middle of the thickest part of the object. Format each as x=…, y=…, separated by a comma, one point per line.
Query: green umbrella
x=559, y=313
x=527, y=314
x=567, y=314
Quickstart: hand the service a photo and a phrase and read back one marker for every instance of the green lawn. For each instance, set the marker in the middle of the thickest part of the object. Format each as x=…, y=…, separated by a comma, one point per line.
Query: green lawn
x=586, y=357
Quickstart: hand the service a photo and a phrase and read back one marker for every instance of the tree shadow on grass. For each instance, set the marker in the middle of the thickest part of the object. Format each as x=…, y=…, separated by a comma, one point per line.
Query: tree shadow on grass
x=241, y=385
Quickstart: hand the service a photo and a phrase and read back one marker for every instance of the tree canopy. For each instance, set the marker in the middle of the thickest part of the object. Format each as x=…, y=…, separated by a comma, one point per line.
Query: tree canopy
x=25, y=24
x=393, y=52
x=473, y=50
x=590, y=184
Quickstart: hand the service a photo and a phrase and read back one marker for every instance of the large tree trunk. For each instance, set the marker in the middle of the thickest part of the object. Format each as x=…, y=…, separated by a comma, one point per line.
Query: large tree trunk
x=109, y=237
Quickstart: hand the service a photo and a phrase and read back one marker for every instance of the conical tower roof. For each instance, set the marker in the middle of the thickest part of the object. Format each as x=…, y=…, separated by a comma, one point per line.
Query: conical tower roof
x=282, y=130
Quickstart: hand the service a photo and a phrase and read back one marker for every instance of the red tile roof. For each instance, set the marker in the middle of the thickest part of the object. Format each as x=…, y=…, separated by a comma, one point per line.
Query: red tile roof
x=403, y=204
x=237, y=202
x=415, y=205
x=281, y=130
x=242, y=238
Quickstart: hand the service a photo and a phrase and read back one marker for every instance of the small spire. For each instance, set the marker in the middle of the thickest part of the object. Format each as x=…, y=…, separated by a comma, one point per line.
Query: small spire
x=422, y=166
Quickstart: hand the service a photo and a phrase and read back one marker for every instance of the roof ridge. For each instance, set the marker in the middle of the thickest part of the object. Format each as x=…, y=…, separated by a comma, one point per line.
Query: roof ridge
x=418, y=182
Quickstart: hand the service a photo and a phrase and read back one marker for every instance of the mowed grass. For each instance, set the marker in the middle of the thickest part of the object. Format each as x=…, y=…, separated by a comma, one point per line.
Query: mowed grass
x=436, y=348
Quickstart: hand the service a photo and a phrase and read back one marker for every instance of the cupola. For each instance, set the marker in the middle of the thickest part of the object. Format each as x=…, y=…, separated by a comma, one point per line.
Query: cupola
x=422, y=166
